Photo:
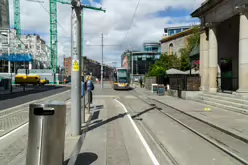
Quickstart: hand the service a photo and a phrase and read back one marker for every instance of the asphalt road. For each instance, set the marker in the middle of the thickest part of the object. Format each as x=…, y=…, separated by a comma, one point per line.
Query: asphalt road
x=17, y=98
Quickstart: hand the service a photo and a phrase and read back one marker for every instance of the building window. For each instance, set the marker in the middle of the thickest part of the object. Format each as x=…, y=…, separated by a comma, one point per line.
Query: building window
x=171, y=49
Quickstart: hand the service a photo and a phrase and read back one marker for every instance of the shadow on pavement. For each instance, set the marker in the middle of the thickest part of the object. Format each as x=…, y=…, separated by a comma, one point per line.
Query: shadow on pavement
x=95, y=115
x=85, y=158
x=140, y=113
x=98, y=124
x=28, y=92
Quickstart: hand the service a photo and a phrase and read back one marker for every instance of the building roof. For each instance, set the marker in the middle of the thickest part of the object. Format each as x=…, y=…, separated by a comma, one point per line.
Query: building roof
x=174, y=71
x=178, y=35
x=151, y=43
x=178, y=27
x=151, y=53
x=205, y=7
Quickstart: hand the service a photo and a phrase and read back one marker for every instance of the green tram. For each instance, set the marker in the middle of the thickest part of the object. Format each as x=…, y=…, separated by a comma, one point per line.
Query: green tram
x=120, y=78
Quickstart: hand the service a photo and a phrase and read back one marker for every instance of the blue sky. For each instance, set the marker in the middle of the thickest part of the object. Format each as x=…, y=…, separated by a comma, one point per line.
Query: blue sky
x=149, y=22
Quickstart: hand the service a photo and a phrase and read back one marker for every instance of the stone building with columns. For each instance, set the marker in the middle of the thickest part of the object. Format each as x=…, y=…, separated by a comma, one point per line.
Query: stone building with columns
x=224, y=45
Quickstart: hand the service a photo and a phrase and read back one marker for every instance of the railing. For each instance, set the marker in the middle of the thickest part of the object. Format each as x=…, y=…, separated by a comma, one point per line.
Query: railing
x=227, y=83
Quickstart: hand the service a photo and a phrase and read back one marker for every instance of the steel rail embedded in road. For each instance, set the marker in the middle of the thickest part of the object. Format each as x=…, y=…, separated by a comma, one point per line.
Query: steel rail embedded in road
x=13, y=118
x=152, y=135
x=191, y=123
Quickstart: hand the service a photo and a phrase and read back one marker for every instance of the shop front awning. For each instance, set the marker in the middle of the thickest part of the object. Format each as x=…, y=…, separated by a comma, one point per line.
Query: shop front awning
x=17, y=57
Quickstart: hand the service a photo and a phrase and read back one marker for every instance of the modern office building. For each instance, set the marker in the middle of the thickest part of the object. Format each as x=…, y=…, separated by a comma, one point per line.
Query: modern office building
x=170, y=31
x=4, y=14
x=141, y=60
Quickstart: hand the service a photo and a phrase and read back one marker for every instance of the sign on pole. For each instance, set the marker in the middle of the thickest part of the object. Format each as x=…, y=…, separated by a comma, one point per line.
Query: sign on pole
x=75, y=65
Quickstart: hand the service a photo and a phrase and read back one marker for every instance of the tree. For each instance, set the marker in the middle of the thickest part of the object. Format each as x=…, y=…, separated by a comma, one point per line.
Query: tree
x=167, y=62
x=192, y=41
x=164, y=63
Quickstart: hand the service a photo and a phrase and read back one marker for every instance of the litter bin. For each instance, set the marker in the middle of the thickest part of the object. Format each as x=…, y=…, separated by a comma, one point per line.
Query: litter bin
x=6, y=83
x=46, y=134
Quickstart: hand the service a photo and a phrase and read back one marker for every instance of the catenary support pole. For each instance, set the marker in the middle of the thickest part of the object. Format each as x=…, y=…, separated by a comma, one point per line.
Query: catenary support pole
x=82, y=42
x=102, y=65
x=76, y=70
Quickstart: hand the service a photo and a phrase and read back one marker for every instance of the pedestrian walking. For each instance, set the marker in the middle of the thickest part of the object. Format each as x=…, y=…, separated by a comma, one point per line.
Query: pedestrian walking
x=141, y=82
x=89, y=87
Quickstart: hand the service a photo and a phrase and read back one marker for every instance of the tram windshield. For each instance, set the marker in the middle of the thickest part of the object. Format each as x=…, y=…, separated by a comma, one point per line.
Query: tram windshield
x=122, y=76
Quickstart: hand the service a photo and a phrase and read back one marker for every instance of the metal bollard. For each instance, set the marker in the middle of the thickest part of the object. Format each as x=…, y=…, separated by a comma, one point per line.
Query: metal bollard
x=46, y=134
x=179, y=92
x=89, y=100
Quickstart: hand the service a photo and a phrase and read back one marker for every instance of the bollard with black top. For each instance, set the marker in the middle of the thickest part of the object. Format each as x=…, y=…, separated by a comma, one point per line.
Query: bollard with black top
x=179, y=92
x=89, y=100
x=46, y=134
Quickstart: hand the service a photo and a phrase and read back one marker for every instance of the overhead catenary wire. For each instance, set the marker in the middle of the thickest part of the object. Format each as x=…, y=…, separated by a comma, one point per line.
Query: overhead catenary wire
x=131, y=23
x=49, y=14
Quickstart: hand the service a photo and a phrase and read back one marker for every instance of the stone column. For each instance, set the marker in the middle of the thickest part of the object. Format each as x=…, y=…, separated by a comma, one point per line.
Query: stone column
x=204, y=61
x=243, y=54
x=213, y=59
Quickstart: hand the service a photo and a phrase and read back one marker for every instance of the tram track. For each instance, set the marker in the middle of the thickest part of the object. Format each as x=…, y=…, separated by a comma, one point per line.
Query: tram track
x=233, y=146
x=13, y=118
x=166, y=154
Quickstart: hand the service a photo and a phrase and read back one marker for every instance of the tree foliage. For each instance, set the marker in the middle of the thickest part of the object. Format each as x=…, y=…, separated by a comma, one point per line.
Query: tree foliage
x=191, y=41
x=167, y=62
x=164, y=63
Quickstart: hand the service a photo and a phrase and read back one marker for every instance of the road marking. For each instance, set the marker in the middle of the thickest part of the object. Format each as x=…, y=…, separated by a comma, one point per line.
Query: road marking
x=4, y=136
x=148, y=149
x=32, y=102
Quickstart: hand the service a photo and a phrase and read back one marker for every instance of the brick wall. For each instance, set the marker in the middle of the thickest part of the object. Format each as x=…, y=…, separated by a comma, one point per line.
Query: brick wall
x=90, y=66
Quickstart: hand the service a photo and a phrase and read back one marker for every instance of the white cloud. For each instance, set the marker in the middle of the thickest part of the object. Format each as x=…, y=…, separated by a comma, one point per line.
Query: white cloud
x=114, y=24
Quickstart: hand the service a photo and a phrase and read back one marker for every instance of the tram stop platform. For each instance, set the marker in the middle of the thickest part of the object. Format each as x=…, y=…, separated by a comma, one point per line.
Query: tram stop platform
x=110, y=136
x=230, y=122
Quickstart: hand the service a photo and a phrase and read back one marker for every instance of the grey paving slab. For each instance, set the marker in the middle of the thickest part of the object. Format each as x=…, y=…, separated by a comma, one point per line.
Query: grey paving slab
x=233, y=122
x=186, y=147
x=112, y=139
x=13, y=147
x=12, y=121
x=116, y=148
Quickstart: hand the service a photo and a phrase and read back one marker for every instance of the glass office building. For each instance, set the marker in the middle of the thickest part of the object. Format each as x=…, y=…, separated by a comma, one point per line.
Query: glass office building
x=142, y=60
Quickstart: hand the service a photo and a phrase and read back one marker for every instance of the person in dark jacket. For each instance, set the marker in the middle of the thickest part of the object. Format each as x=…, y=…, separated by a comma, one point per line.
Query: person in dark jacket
x=141, y=82
x=89, y=86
